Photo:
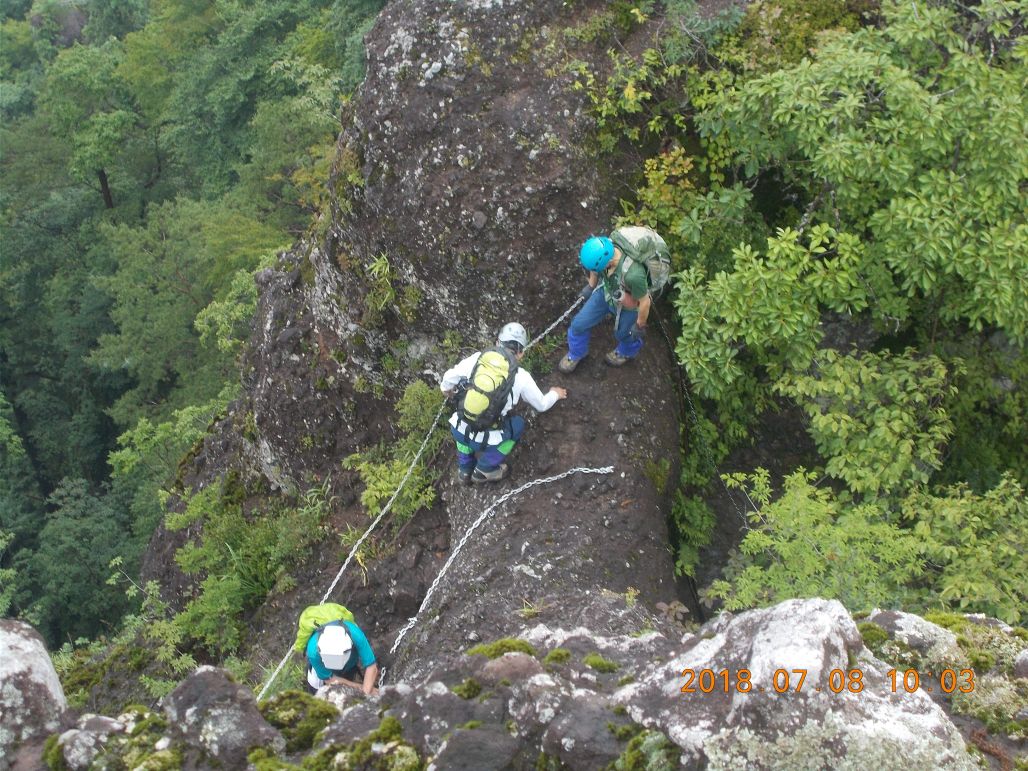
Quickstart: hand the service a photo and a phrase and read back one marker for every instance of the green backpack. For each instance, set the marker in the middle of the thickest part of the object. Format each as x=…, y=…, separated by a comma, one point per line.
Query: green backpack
x=315, y=617
x=644, y=246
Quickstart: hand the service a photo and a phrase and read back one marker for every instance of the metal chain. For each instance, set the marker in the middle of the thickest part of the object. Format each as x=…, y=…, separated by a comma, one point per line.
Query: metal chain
x=549, y=329
x=481, y=518
x=360, y=541
x=406, y=476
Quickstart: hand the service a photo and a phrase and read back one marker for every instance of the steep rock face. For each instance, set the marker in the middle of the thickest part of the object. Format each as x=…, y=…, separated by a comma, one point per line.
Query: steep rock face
x=32, y=702
x=465, y=166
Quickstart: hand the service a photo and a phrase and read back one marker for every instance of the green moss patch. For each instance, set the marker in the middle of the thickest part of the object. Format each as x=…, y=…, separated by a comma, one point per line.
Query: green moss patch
x=873, y=635
x=624, y=733
x=557, y=657
x=648, y=751
x=469, y=689
x=52, y=755
x=299, y=716
x=600, y=664
x=497, y=648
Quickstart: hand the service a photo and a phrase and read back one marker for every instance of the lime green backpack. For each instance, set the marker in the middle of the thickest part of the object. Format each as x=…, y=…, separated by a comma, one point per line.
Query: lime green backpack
x=316, y=616
x=483, y=396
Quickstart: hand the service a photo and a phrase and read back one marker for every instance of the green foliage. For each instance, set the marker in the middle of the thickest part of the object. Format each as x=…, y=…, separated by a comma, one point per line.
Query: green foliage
x=382, y=469
x=89, y=107
x=913, y=134
x=769, y=307
x=8, y=576
x=168, y=272
x=81, y=536
x=225, y=322
x=241, y=556
x=600, y=664
x=150, y=159
x=809, y=544
x=497, y=648
x=774, y=33
x=975, y=545
x=988, y=410
x=877, y=419
x=692, y=523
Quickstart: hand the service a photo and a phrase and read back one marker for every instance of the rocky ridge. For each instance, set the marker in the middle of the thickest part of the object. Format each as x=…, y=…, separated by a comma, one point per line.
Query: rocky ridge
x=561, y=697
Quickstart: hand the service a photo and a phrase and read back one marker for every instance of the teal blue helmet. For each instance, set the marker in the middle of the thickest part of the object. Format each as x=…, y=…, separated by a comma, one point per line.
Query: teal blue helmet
x=596, y=253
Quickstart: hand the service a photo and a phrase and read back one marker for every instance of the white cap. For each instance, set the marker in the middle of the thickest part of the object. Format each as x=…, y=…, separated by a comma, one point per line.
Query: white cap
x=334, y=645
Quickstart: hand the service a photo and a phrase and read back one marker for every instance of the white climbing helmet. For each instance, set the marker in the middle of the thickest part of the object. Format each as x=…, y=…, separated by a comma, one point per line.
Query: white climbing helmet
x=334, y=646
x=513, y=333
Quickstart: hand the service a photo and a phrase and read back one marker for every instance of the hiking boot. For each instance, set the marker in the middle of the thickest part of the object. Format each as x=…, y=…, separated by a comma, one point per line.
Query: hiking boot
x=567, y=364
x=498, y=473
x=464, y=476
x=615, y=359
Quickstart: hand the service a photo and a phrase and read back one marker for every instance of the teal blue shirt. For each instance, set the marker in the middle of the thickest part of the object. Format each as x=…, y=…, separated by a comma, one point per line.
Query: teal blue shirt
x=361, y=650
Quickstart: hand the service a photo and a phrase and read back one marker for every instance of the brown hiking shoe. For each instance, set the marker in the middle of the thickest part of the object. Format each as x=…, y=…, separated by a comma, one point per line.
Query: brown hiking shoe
x=567, y=364
x=615, y=359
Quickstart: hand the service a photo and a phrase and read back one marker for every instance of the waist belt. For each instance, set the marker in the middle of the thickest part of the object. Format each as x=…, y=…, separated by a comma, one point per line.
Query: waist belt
x=467, y=429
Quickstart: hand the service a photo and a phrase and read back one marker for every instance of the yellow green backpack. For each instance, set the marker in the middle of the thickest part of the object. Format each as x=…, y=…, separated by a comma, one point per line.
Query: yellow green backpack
x=316, y=616
x=483, y=396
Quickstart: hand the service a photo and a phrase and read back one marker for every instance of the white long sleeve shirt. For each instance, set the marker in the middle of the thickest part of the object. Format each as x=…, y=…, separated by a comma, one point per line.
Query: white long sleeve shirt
x=524, y=388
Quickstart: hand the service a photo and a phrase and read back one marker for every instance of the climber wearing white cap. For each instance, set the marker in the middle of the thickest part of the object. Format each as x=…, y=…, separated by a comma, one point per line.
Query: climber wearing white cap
x=338, y=652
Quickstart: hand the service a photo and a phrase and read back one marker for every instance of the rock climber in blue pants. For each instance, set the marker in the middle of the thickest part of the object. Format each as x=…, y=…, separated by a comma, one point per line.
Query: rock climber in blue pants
x=617, y=261
x=484, y=431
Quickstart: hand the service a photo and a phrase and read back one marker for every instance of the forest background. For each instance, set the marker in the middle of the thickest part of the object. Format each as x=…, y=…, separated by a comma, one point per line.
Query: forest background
x=842, y=185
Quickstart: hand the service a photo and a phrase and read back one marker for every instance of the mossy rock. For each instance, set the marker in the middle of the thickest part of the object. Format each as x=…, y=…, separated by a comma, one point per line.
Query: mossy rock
x=873, y=635
x=469, y=689
x=383, y=748
x=299, y=716
x=624, y=733
x=954, y=622
x=600, y=664
x=263, y=759
x=557, y=657
x=497, y=648
x=648, y=751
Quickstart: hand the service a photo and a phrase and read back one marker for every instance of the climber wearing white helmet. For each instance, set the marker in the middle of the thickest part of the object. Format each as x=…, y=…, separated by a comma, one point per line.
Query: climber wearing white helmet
x=484, y=388
x=339, y=653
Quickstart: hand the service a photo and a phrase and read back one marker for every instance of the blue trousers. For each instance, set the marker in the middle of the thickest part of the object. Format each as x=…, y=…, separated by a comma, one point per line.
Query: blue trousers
x=489, y=455
x=595, y=310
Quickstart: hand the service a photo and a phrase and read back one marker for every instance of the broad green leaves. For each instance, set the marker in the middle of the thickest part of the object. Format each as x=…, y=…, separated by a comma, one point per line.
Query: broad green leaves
x=877, y=419
x=919, y=136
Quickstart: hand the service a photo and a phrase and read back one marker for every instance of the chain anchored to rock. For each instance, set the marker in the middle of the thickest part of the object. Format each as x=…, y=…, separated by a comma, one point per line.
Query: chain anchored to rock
x=550, y=328
x=389, y=504
x=481, y=518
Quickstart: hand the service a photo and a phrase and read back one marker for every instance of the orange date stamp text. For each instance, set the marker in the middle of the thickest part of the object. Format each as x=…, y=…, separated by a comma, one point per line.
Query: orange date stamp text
x=839, y=681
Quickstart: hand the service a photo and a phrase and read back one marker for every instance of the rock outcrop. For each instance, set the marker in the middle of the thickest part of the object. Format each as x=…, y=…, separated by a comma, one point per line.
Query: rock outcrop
x=32, y=702
x=790, y=686
x=464, y=185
